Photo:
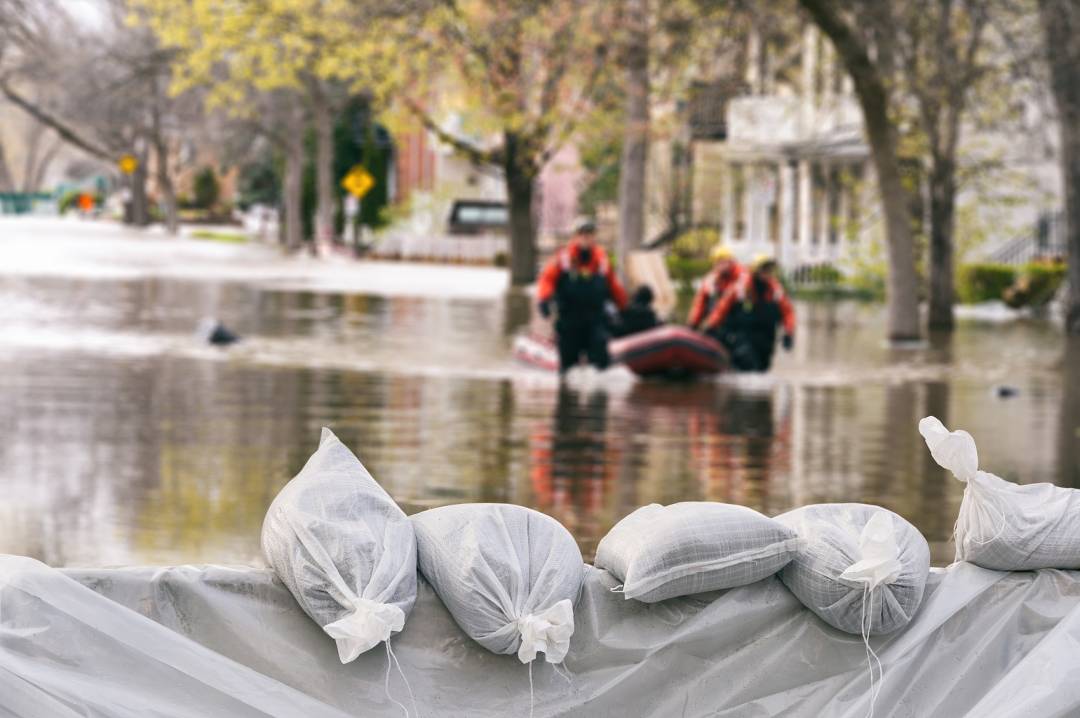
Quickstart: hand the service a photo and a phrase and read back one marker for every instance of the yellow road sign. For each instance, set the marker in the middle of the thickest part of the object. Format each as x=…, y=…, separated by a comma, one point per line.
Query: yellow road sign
x=127, y=164
x=358, y=181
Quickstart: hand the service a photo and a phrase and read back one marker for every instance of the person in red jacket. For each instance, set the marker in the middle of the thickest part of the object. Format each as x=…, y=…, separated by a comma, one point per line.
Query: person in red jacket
x=746, y=318
x=579, y=282
x=725, y=272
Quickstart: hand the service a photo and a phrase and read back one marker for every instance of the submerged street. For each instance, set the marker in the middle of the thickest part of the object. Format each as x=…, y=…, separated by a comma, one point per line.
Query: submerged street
x=128, y=440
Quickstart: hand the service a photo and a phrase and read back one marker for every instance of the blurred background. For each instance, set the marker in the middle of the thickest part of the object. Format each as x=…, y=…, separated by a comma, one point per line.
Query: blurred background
x=365, y=192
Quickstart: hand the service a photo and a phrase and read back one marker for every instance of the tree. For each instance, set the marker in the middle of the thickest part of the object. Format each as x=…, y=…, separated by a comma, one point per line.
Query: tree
x=1061, y=39
x=635, y=144
x=526, y=72
x=311, y=51
x=664, y=47
x=100, y=87
x=872, y=78
x=939, y=44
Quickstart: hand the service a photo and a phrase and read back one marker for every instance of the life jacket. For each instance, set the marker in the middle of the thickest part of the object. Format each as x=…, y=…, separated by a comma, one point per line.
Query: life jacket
x=582, y=290
x=757, y=311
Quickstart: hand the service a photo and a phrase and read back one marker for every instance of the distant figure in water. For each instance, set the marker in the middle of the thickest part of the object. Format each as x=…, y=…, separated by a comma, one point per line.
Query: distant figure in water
x=212, y=331
x=747, y=317
x=580, y=283
x=639, y=315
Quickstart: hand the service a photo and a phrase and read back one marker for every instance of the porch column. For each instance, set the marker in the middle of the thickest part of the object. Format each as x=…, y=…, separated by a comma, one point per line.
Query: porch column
x=750, y=189
x=805, y=190
x=787, y=208
x=728, y=179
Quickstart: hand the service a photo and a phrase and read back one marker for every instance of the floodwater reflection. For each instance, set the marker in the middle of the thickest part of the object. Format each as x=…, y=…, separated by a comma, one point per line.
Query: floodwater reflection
x=124, y=441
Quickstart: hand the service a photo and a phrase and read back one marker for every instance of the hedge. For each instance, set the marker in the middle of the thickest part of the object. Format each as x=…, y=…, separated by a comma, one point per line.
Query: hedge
x=983, y=282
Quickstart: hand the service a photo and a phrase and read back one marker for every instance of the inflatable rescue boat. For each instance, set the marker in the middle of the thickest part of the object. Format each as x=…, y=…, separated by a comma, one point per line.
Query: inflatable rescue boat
x=670, y=350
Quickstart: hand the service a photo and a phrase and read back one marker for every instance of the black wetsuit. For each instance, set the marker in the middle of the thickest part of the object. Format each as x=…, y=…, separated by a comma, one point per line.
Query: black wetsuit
x=749, y=332
x=582, y=325
x=636, y=318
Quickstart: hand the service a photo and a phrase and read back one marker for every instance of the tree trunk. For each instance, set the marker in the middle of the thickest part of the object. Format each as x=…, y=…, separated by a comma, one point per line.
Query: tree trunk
x=635, y=149
x=942, y=223
x=5, y=172
x=140, y=204
x=33, y=146
x=324, y=170
x=902, y=281
x=165, y=185
x=37, y=180
x=520, y=175
x=870, y=88
x=1061, y=30
x=292, y=191
x=1069, y=417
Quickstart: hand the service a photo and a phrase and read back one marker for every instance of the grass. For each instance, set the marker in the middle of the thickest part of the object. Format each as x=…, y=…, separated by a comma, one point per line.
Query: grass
x=226, y=237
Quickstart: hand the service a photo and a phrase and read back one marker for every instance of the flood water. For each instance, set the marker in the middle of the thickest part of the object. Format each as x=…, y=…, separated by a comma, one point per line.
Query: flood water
x=125, y=440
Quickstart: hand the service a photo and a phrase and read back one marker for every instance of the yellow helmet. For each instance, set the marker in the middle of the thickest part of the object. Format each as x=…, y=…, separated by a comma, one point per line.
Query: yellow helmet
x=721, y=251
x=761, y=259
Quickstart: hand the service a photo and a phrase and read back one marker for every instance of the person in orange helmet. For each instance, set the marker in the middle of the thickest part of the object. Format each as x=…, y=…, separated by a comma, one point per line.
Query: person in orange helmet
x=746, y=318
x=580, y=283
x=726, y=271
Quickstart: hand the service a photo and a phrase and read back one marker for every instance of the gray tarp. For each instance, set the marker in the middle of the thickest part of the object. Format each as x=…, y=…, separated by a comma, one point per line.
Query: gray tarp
x=232, y=642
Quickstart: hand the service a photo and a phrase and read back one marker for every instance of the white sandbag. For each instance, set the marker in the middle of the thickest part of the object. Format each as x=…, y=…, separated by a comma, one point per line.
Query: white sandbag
x=862, y=568
x=343, y=548
x=660, y=552
x=508, y=575
x=1002, y=525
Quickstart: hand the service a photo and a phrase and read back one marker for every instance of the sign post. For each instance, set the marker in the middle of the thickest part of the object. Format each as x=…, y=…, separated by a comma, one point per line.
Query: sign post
x=358, y=182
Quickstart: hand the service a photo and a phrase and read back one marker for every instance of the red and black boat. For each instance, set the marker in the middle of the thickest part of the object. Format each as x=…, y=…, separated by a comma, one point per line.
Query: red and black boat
x=670, y=350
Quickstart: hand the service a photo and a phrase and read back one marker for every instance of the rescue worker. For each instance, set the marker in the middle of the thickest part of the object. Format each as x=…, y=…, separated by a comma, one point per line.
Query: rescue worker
x=725, y=272
x=747, y=316
x=579, y=282
x=639, y=316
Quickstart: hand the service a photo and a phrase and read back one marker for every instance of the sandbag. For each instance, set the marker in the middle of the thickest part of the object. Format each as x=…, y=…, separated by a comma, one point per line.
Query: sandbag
x=343, y=548
x=1002, y=525
x=508, y=575
x=861, y=568
x=660, y=552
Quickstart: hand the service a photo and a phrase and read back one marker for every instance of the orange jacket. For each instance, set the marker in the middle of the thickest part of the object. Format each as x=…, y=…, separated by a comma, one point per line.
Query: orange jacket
x=566, y=259
x=742, y=291
x=712, y=287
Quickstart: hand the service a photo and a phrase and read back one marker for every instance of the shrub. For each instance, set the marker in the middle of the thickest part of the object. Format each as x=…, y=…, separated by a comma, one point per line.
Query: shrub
x=983, y=282
x=206, y=188
x=695, y=243
x=1036, y=285
x=684, y=270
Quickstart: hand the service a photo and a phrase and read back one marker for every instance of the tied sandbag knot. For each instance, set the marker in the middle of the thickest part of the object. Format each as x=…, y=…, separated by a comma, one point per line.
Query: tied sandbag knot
x=878, y=564
x=548, y=631
x=369, y=624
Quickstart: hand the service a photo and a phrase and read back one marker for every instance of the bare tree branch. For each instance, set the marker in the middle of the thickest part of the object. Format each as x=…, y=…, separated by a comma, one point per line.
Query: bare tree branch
x=70, y=136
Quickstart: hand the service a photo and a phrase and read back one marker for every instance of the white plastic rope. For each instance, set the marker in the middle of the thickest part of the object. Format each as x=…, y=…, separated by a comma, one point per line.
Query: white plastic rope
x=386, y=684
x=865, y=622
x=532, y=696
x=412, y=697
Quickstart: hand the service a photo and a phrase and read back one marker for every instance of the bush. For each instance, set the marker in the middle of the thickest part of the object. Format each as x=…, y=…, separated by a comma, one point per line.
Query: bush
x=695, y=243
x=684, y=270
x=206, y=188
x=983, y=282
x=1037, y=284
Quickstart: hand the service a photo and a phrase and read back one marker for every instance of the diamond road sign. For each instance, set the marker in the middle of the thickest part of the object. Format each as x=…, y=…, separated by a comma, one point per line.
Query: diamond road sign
x=358, y=182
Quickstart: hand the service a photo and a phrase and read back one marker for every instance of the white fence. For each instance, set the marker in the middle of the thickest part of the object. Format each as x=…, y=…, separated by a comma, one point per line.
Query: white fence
x=470, y=249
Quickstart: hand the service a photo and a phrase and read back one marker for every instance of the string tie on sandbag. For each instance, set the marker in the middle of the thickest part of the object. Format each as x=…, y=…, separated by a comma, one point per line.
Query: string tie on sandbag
x=878, y=565
x=369, y=624
x=548, y=631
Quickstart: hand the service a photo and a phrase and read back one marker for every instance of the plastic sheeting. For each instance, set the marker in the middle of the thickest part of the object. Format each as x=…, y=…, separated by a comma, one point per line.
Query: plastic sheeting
x=223, y=641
